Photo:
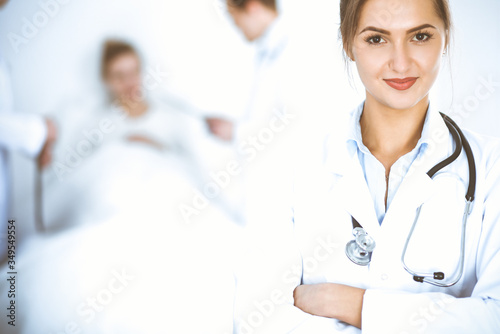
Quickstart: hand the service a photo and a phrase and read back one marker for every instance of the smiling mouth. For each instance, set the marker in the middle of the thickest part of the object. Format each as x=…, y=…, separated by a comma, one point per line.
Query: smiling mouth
x=401, y=84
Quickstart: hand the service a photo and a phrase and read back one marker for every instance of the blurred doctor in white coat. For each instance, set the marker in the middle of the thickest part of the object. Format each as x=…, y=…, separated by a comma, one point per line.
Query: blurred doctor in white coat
x=283, y=113
x=27, y=133
x=262, y=135
x=260, y=23
x=376, y=171
x=281, y=103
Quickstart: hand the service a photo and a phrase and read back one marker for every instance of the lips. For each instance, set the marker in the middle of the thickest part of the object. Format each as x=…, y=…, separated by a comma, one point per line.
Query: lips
x=401, y=84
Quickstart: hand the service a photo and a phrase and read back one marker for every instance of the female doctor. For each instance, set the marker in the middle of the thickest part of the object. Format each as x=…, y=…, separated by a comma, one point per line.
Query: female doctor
x=394, y=213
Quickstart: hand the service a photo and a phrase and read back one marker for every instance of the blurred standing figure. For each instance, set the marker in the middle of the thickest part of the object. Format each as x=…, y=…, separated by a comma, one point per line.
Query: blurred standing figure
x=284, y=118
x=263, y=133
x=265, y=139
x=259, y=22
x=284, y=112
x=27, y=133
x=260, y=155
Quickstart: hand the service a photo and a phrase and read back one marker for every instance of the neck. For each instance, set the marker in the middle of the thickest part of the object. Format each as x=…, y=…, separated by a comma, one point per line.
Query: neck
x=390, y=133
x=134, y=108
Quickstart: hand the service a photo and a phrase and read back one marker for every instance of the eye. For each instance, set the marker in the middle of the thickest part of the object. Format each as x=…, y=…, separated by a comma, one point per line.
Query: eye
x=422, y=37
x=377, y=39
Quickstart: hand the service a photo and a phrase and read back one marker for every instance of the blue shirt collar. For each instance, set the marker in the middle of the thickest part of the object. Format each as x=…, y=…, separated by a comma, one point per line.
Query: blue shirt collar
x=354, y=140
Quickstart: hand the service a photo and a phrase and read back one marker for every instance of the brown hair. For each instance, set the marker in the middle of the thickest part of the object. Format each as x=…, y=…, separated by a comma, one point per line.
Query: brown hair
x=271, y=4
x=112, y=49
x=350, y=10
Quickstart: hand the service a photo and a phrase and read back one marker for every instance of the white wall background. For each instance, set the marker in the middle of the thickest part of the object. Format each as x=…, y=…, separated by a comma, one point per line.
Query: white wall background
x=193, y=42
x=206, y=60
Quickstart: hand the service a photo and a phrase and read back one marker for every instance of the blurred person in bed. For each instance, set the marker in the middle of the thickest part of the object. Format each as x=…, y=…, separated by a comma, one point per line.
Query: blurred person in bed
x=142, y=120
x=130, y=114
x=110, y=150
x=30, y=134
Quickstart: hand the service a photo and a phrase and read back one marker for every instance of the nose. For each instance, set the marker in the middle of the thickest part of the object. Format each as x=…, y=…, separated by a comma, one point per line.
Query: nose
x=401, y=59
x=132, y=81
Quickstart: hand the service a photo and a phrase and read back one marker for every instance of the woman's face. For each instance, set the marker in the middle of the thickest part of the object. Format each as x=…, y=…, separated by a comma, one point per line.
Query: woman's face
x=123, y=77
x=398, y=49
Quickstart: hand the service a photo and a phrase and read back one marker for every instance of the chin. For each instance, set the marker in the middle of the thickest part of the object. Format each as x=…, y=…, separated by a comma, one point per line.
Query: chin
x=401, y=102
x=250, y=38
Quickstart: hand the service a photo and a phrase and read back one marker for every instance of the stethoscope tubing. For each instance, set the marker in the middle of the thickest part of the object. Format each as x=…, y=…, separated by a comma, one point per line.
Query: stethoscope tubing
x=424, y=277
x=461, y=143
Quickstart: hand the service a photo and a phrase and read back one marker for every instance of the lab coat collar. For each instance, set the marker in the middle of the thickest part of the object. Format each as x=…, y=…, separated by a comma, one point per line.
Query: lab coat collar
x=274, y=40
x=352, y=190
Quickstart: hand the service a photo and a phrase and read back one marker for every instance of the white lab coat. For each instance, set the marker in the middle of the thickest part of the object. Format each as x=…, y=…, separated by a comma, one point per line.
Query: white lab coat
x=24, y=133
x=332, y=190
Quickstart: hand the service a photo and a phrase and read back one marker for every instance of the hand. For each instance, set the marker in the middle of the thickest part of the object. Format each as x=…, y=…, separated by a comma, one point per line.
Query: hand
x=331, y=300
x=45, y=156
x=221, y=128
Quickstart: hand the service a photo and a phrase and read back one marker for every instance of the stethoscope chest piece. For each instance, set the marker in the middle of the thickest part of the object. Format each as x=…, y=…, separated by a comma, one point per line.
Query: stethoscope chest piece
x=360, y=249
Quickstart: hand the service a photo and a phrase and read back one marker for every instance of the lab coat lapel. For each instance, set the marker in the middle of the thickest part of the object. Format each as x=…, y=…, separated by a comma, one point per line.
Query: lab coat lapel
x=414, y=191
x=417, y=186
x=351, y=190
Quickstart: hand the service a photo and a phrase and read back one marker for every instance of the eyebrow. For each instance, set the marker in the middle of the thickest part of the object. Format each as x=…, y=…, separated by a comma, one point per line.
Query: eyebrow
x=386, y=32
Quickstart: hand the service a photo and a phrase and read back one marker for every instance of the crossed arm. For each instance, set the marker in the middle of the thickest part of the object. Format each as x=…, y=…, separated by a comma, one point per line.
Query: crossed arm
x=331, y=300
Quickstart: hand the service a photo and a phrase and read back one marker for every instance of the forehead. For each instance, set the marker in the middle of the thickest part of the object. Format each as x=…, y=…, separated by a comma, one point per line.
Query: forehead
x=398, y=14
x=125, y=59
x=124, y=63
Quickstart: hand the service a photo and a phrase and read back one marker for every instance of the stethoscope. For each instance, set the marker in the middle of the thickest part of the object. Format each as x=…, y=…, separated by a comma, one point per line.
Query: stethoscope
x=361, y=248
